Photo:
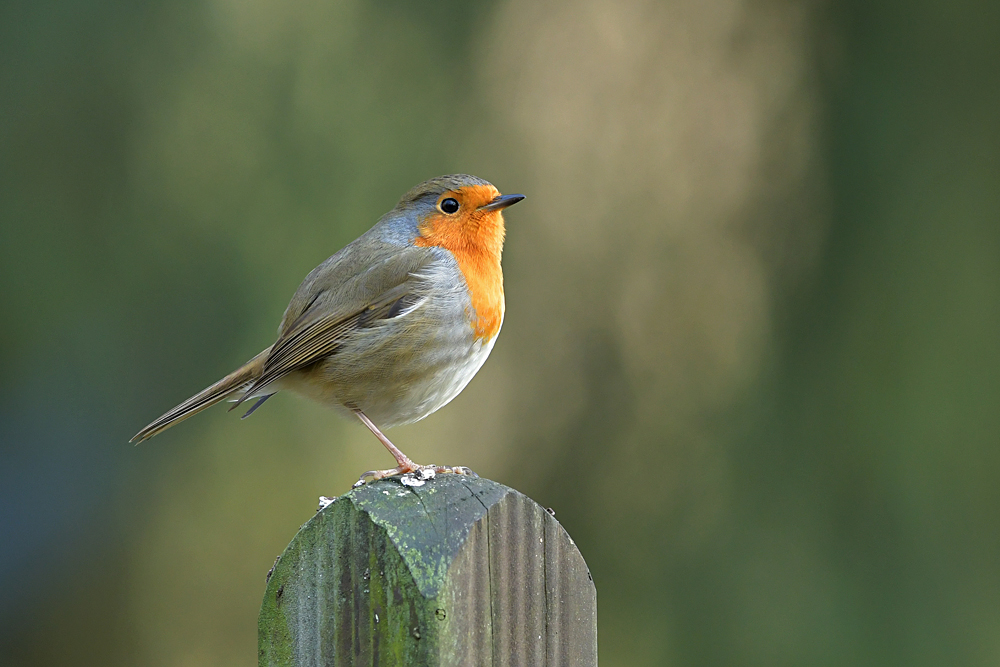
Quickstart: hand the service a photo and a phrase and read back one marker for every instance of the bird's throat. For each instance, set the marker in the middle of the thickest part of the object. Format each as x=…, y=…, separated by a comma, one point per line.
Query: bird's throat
x=476, y=243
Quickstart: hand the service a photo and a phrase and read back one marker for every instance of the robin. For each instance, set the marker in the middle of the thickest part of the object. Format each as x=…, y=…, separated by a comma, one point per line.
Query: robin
x=393, y=326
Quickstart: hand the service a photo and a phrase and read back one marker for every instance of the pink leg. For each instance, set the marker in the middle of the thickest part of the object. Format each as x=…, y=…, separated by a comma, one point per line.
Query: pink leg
x=402, y=460
x=404, y=464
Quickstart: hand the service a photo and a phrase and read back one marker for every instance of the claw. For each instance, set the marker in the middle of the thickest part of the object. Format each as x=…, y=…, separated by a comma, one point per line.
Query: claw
x=414, y=475
x=376, y=475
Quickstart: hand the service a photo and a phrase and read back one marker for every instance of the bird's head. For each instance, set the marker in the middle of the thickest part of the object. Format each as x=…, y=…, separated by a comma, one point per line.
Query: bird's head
x=460, y=213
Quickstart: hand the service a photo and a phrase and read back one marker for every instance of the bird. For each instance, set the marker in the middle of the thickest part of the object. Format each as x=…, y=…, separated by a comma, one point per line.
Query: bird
x=391, y=327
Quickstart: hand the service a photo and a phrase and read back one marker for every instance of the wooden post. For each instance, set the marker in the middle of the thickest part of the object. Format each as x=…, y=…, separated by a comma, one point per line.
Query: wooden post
x=456, y=571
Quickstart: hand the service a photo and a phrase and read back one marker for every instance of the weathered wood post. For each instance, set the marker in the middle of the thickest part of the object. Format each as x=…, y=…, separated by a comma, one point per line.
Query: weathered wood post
x=457, y=571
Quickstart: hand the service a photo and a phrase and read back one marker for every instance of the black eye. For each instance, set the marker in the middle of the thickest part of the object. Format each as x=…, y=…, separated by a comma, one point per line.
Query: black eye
x=449, y=206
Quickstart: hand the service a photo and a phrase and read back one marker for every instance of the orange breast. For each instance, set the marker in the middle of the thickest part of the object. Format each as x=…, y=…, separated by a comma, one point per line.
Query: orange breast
x=475, y=239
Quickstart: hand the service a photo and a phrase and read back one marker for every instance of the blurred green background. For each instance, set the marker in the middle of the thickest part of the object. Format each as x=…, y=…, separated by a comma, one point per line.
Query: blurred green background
x=750, y=354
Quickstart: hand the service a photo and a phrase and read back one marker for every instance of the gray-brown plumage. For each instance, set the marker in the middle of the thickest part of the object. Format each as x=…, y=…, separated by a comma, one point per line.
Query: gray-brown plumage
x=395, y=324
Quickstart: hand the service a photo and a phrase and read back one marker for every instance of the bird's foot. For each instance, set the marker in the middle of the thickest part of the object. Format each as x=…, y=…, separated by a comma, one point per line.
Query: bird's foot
x=413, y=474
x=423, y=473
x=375, y=475
x=459, y=470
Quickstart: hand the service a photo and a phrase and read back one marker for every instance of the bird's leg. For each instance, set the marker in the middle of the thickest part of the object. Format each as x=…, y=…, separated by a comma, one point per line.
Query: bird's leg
x=403, y=462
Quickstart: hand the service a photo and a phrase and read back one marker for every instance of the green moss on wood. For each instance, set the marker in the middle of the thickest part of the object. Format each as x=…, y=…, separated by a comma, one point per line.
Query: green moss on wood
x=396, y=575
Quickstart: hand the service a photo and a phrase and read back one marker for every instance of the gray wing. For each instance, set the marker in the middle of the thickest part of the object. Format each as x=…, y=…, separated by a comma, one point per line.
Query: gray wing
x=350, y=290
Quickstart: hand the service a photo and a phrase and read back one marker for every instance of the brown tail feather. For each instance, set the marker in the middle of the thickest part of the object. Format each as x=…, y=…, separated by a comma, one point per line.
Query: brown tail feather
x=206, y=398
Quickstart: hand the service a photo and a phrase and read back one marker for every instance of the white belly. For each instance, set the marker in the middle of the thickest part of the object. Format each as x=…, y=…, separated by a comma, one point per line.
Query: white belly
x=426, y=395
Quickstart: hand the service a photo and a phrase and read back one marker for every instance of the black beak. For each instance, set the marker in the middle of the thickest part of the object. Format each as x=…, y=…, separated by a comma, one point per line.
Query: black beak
x=501, y=202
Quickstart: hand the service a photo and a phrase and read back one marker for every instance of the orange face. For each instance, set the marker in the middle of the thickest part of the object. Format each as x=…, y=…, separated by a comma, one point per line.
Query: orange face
x=475, y=238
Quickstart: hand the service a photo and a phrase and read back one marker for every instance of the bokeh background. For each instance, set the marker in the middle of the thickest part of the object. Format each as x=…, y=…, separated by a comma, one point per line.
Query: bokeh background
x=750, y=353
